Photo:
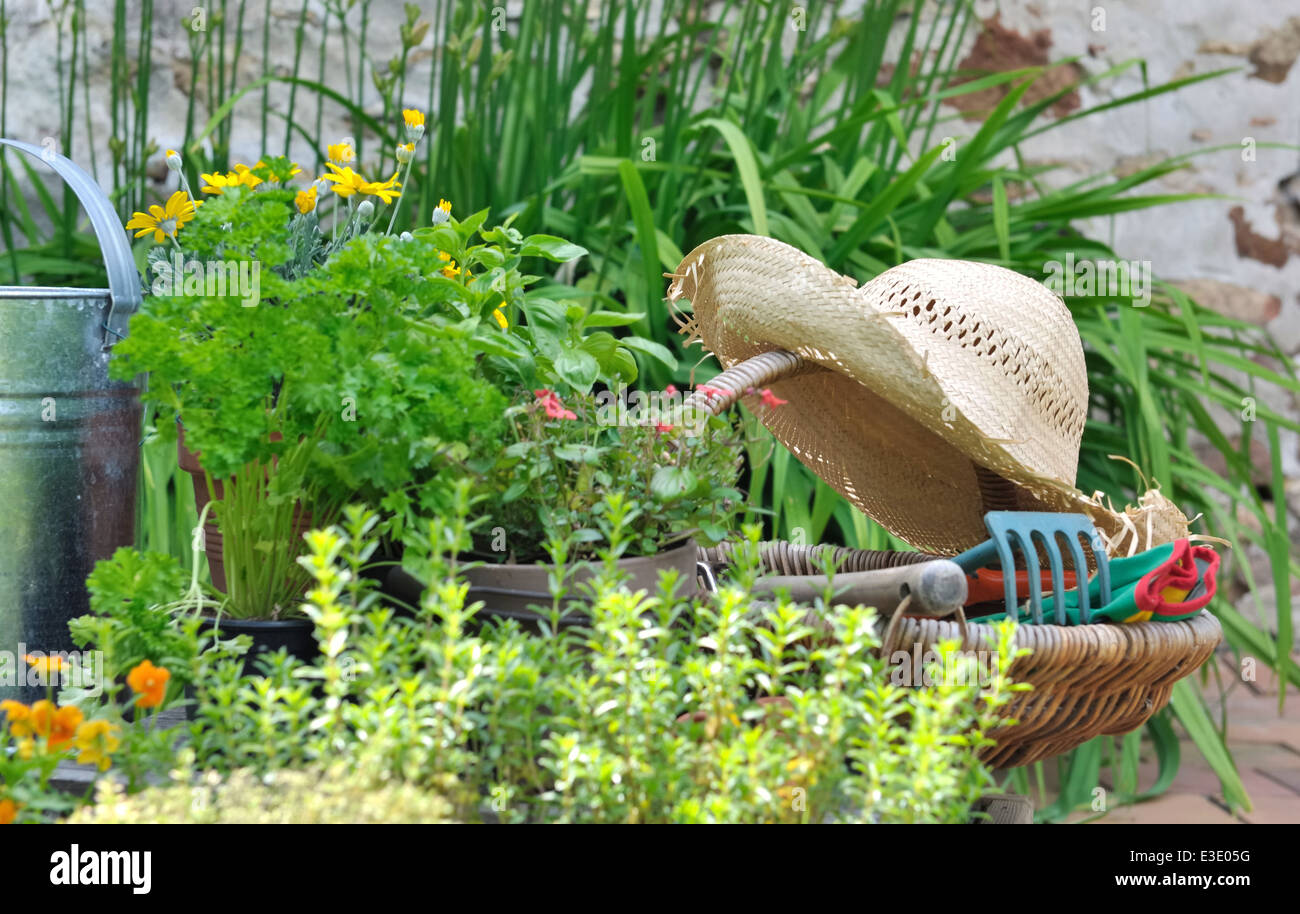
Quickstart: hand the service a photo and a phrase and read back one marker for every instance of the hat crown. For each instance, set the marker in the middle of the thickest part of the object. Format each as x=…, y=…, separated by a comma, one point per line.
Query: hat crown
x=1004, y=349
x=937, y=374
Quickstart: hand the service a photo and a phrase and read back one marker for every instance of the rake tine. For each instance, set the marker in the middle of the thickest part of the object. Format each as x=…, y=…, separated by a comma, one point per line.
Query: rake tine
x=1057, y=563
x=1081, y=578
x=1008, y=562
x=1030, y=551
x=1103, y=569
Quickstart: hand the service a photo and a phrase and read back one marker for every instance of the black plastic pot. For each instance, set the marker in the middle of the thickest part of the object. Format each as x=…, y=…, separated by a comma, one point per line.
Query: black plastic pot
x=508, y=591
x=270, y=635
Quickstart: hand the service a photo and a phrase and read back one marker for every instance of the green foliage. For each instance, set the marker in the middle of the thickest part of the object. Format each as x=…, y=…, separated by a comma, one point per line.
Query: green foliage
x=554, y=479
x=316, y=797
x=251, y=382
x=133, y=601
x=588, y=726
x=333, y=385
x=531, y=337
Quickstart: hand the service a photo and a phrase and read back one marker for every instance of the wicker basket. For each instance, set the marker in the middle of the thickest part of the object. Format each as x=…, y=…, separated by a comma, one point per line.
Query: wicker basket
x=1088, y=680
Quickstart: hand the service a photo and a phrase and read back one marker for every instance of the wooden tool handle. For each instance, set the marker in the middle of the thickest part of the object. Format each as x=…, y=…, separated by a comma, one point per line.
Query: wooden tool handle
x=937, y=588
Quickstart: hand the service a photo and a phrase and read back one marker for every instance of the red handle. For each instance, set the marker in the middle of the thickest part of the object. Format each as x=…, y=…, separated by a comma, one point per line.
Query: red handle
x=985, y=585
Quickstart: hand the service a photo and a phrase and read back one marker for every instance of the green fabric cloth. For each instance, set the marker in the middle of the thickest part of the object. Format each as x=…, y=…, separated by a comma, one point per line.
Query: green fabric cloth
x=1125, y=573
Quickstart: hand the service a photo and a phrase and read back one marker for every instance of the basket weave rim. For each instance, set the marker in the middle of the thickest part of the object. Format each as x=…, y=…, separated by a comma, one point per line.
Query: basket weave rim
x=1133, y=640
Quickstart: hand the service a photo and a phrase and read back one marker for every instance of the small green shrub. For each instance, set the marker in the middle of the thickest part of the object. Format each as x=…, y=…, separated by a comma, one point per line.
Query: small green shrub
x=650, y=714
x=308, y=797
x=550, y=482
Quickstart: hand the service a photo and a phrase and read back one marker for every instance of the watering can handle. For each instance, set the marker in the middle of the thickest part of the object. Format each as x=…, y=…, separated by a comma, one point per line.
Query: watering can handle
x=123, y=280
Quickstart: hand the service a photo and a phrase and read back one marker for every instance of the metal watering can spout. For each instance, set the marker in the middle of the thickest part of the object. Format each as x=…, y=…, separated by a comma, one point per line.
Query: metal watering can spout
x=69, y=443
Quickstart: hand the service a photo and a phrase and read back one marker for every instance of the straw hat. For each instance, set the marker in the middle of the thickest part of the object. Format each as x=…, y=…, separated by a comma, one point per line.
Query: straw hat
x=938, y=391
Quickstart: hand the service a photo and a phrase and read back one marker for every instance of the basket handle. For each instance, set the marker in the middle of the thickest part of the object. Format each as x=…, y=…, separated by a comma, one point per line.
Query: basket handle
x=727, y=388
x=123, y=280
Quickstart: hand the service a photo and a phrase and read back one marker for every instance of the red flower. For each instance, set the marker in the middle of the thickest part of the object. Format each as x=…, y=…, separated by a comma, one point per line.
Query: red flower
x=670, y=389
x=770, y=399
x=663, y=427
x=551, y=403
x=710, y=391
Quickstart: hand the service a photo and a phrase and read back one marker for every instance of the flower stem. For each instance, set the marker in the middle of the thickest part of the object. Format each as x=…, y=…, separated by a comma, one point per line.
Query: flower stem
x=406, y=173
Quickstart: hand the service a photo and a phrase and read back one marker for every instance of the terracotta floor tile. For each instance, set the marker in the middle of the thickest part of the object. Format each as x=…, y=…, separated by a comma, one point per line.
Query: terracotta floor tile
x=1248, y=733
x=1170, y=809
x=1274, y=811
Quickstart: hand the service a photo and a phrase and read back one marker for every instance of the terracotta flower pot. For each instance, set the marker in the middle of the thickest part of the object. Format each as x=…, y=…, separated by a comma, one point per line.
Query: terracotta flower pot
x=212, y=543
x=508, y=590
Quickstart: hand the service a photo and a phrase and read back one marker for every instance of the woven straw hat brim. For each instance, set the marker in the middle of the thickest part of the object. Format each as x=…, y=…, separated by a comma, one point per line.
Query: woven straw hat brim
x=932, y=370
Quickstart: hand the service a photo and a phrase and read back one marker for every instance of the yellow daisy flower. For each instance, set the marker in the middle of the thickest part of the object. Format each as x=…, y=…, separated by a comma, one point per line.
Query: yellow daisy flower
x=246, y=176
x=96, y=740
x=216, y=183
x=501, y=317
x=306, y=200
x=45, y=665
x=340, y=153
x=164, y=221
x=346, y=181
x=384, y=190
x=414, y=121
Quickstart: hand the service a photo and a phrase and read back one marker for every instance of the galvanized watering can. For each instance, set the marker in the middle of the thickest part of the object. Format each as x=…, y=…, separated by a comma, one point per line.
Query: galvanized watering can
x=69, y=442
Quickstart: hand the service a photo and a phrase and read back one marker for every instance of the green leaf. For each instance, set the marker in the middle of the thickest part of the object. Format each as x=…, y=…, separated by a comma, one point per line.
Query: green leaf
x=743, y=154
x=579, y=453
x=650, y=348
x=612, y=318
x=670, y=483
x=578, y=368
x=647, y=241
x=1001, y=221
x=1192, y=714
x=552, y=248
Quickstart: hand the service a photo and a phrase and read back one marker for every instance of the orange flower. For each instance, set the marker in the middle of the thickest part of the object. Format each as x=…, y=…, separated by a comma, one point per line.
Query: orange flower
x=19, y=716
x=149, y=682
x=41, y=718
x=8, y=811
x=53, y=724
x=64, y=726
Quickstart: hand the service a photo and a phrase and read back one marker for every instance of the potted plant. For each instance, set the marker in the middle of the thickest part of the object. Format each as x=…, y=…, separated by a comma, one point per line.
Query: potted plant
x=543, y=500
x=543, y=482
x=543, y=477
x=310, y=362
